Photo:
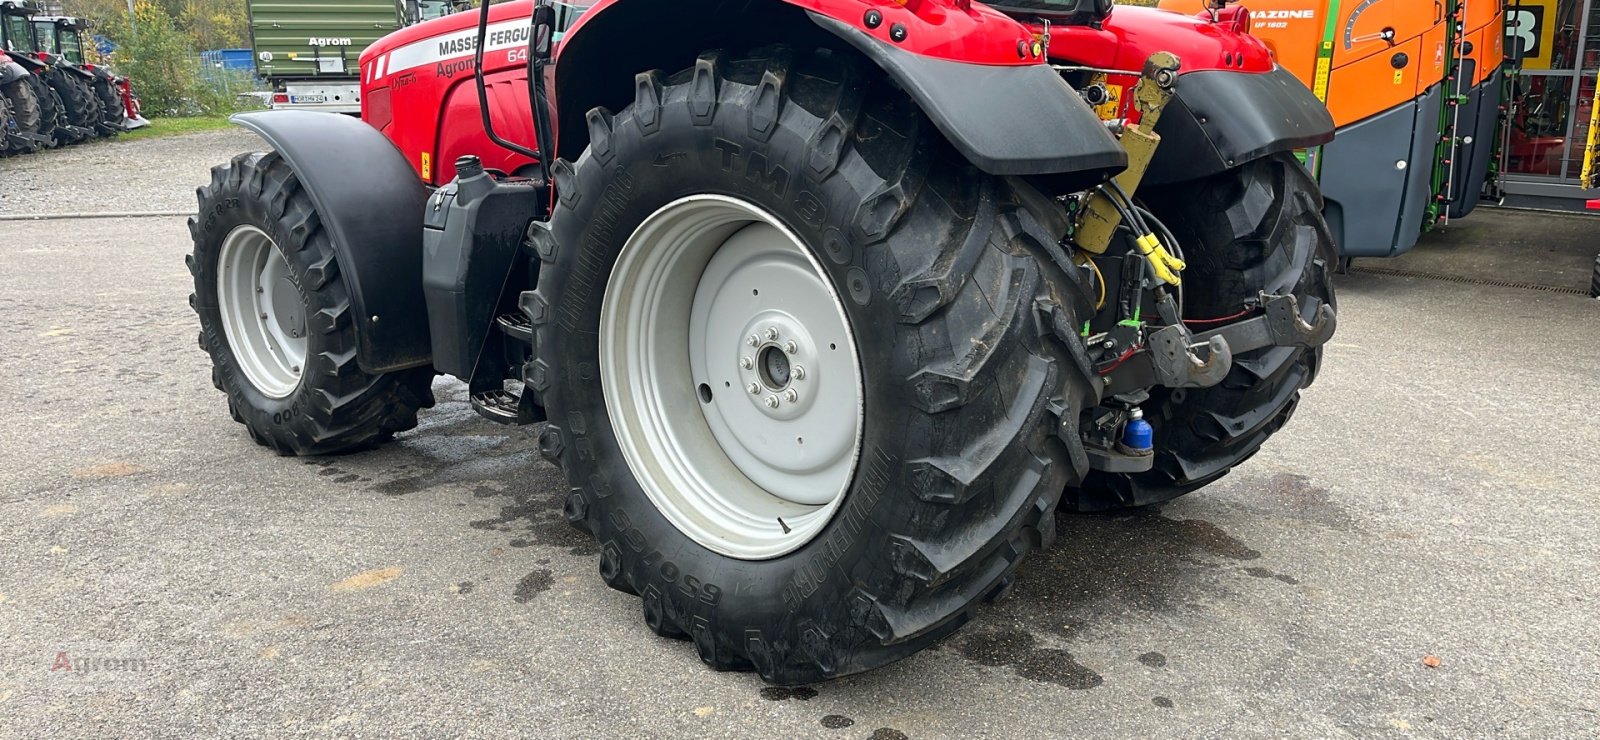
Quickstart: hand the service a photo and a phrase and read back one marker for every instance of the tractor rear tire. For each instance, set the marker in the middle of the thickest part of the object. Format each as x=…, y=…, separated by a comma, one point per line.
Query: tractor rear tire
x=1256, y=228
x=292, y=381
x=78, y=101
x=25, y=111
x=963, y=333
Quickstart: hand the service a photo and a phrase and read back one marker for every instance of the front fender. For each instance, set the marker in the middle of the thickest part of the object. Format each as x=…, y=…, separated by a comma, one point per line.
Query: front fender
x=370, y=201
x=66, y=66
x=11, y=72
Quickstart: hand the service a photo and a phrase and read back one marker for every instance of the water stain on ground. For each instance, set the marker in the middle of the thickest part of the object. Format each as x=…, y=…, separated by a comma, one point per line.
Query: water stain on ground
x=785, y=693
x=532, y=585
x=460, y=449
x=1162, y=701
x=1295, y=496
x=1018, y=650
x=541, y=521
x=1153, y=659
x=888, y=733
x=1108, y=564
x=837, y=721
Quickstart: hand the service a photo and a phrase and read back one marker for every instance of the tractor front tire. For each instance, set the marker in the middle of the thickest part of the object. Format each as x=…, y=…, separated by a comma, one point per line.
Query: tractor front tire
x=78, y=102
x=1257, y=228
x=276, y=318
x=111, y=115
x=824, y=225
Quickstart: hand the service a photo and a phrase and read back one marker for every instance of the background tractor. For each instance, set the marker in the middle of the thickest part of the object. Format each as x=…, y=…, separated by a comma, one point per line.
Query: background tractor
x=1415, y=90
x=62, y=36
x=826, y=306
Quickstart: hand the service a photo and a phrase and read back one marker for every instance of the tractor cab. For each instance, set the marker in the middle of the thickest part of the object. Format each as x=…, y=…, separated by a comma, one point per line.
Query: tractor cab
x=62, y=36
x=418, y=11
x=16, y=26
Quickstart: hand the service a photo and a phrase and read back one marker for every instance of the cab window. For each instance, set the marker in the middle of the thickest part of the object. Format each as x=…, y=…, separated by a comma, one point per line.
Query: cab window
x=45, y=32
x=72, y=47
x=17, y=36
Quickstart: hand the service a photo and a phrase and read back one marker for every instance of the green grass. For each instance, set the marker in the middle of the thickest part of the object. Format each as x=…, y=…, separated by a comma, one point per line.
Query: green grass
x=175, y=126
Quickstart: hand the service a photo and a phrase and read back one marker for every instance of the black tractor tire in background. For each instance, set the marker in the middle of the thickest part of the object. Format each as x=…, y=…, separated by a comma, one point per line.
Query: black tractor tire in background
x=52, y=113
x=337, y=406
x=110, y=106
x=52, y=120
x=78, y=102
x=967, y=342
x=5, y=123
x=23, y=110
x=1255, y=228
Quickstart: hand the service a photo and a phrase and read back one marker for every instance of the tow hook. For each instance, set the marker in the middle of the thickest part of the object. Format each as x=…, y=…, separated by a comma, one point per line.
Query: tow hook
x=1279, y=325
x=1175, y=358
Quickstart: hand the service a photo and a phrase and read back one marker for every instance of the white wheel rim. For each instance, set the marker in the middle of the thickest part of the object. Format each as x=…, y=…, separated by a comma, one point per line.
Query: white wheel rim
x=731, y=377
x=262, y=314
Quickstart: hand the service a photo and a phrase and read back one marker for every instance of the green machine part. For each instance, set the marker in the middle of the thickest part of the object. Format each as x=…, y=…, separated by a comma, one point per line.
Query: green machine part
x=308, y=39
x=1444, y=149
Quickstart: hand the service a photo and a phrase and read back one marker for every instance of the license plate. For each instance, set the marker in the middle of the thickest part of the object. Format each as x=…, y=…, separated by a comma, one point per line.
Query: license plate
x=308, y=98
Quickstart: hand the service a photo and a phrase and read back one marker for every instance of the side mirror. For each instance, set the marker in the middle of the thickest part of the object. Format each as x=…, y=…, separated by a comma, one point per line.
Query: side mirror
x=544, y=30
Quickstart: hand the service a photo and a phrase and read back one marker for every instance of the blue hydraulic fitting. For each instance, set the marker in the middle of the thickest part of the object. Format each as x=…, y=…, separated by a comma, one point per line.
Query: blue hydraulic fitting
x=1137, y=437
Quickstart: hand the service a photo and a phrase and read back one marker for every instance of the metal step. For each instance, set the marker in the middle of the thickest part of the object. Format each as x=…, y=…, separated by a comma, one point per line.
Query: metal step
x=516, y=325
x=504, y=406
x=499, y=406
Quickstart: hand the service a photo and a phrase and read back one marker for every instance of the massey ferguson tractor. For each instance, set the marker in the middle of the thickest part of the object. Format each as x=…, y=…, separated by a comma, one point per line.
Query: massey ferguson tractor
x=825, y=306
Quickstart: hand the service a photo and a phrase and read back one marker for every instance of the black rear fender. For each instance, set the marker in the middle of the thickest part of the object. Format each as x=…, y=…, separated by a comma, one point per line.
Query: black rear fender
x=1004, y=120
x=1221, y=119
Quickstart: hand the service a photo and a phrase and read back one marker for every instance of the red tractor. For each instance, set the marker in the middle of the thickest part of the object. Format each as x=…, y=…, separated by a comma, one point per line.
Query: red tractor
x=827, y=304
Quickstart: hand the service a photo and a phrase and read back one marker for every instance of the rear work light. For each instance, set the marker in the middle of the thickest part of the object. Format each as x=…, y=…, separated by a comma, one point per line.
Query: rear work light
x=280, y=98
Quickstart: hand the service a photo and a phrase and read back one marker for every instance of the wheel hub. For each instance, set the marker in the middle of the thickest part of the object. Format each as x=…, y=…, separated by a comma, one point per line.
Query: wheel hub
x=262, y=313
x=731, y=377
x=780, y=373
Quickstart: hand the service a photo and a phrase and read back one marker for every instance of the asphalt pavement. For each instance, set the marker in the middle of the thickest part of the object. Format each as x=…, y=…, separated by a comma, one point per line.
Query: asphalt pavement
x=1433, y=500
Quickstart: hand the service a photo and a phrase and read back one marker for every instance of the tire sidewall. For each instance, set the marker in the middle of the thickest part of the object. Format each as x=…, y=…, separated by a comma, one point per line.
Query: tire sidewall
x=614, y=187
x=229, y=208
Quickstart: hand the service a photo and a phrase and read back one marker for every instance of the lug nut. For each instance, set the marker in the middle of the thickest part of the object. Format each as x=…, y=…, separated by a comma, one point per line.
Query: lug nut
x=790, y=347
x=791, y=396
x=754, y=388
x=746, y=362
x=753, y=340
x=799, y=372
x=772, y=402
x=772, y=333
